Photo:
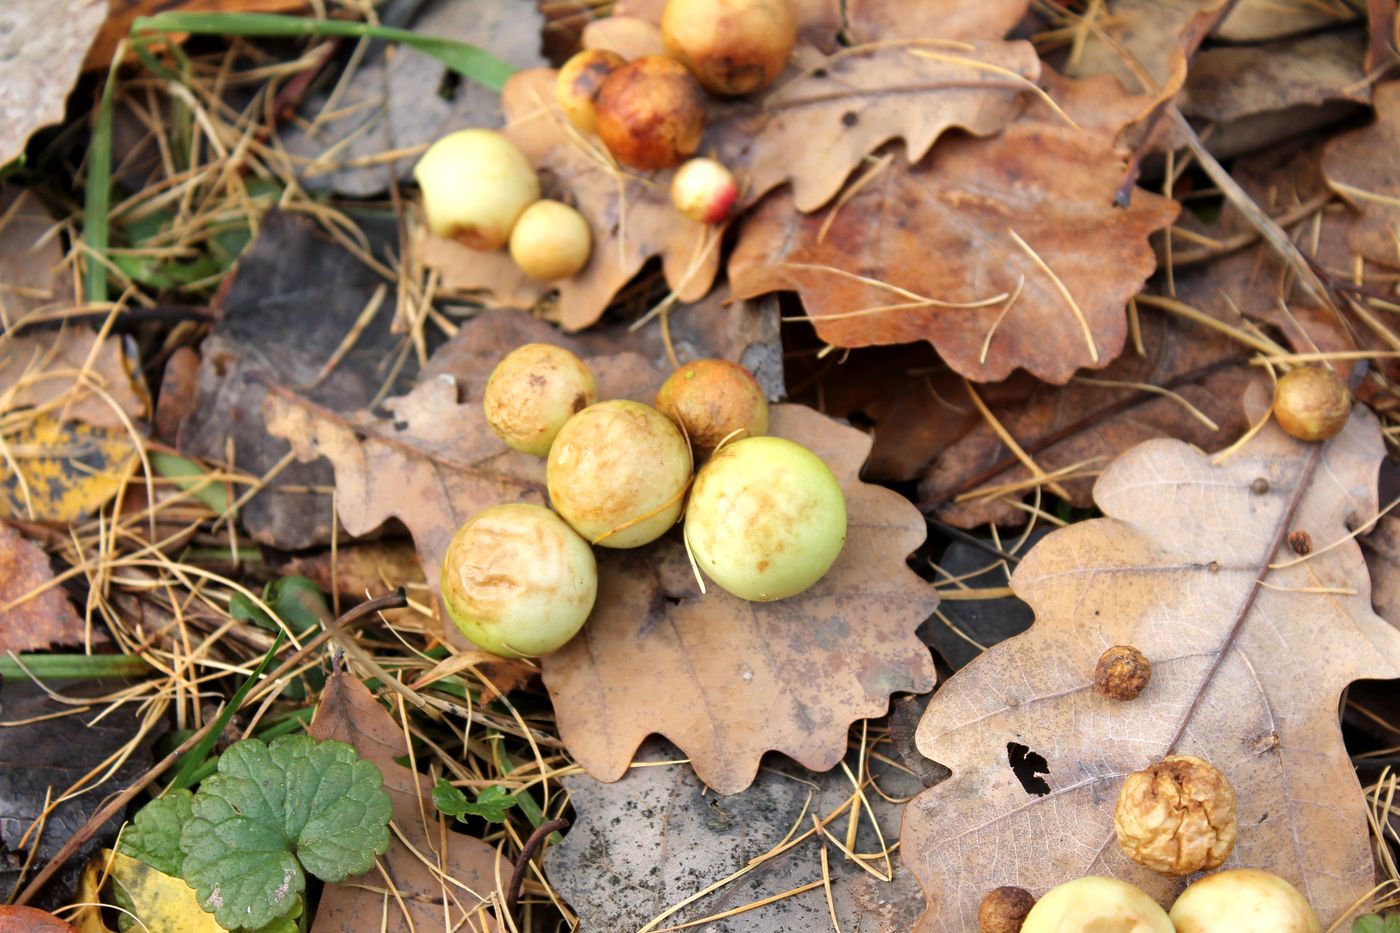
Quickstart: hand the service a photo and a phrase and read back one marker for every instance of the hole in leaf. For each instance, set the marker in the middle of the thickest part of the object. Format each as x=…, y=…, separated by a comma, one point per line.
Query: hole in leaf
x=450, y=85
x=1027, y=765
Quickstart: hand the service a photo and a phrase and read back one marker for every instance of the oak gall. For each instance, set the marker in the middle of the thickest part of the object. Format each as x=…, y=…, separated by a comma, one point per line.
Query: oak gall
x=1312, y=403
x=712, y=400
x=532, y=392
x=1177, y=816
x=651, y=113
x=1122, y=673
x=731, y=46
x=1004, y=909
x=577, y=85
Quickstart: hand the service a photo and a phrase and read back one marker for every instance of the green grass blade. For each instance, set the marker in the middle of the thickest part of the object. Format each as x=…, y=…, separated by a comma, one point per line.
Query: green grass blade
x=467, y=60
x=72, y=666
x=97, y=199
x=189, y=773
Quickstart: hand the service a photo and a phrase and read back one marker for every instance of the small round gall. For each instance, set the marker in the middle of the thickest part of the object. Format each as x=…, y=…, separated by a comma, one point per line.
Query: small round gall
x=475, y=185
x=1177, y=816
x=518, y=581
x=732, y=46
x=1122, y=673
x=713, y=400
x=1004, y=910
x=704, y=190
x=651, y=113
x=577, y=85
x=551, y=241
x=532, y=392
x=1312, y=403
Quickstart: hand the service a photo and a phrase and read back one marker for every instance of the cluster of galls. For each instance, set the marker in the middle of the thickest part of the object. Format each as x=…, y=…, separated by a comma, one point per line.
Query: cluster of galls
x=764, y=517
x=649, y=113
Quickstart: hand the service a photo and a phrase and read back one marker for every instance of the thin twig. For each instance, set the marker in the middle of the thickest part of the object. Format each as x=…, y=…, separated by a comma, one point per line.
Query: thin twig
x=527, y=852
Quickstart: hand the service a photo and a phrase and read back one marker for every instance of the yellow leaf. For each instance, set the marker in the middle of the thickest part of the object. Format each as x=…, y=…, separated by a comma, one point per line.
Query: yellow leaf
x=57, y=472
x=162, y=903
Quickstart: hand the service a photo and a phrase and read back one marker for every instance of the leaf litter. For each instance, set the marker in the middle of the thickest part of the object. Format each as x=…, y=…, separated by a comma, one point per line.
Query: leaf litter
x=159, y=552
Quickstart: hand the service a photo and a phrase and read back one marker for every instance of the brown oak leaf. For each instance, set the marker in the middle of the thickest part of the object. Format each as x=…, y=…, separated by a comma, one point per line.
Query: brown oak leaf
x=816, y=128
x=1002, y=252
x=73, y=375
x=30, y=623
x=1189, y=565
x=1371, y=183
x=472, y=874
x=728, y=680
x=880, y=20
x=1093, y=419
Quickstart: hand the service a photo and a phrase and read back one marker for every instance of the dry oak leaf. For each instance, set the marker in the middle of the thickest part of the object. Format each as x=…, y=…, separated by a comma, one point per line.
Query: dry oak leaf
x=1002, y=252
x=657, y=837
x=33, y=274
x=42, y=44
x=32, y=622
x=630, y=214
x=1188, y=375
x=1358, y=168
x=816, y=128
x=1261, y=20
x=444, y=880
x=1188, y=565
x=879, y=20
x=28, y=920
x=738, y=678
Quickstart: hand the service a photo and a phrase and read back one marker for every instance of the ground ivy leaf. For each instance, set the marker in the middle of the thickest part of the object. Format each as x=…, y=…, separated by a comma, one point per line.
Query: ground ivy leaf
x=154, y=833
x=270, y=811
x=491, y=804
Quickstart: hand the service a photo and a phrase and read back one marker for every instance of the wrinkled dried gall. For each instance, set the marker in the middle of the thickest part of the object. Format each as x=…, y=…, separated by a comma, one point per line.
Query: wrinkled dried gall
x=1122, y=673
x=1176, y=816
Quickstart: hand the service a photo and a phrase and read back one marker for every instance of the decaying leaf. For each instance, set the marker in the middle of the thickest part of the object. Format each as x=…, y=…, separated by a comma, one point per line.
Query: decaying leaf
x=1190, y=566
x=1369, y=183
x=881, y=20
x=32, y=274
x=403, y=888
x=70, y=374
x=1256, y=20
x=660, y=823
x=161, y=903
x=1257, y=95
x=62, y=472
x=1186, y=385
x=31, y=622
x=290, y=313
x=45, y=751
x=28, y=920
x=1002, y=252
x=42, y=43
x=742, y=678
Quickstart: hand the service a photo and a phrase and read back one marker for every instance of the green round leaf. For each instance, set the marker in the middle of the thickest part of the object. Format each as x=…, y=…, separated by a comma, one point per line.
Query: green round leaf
x=154, y=834
x=274, y=809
